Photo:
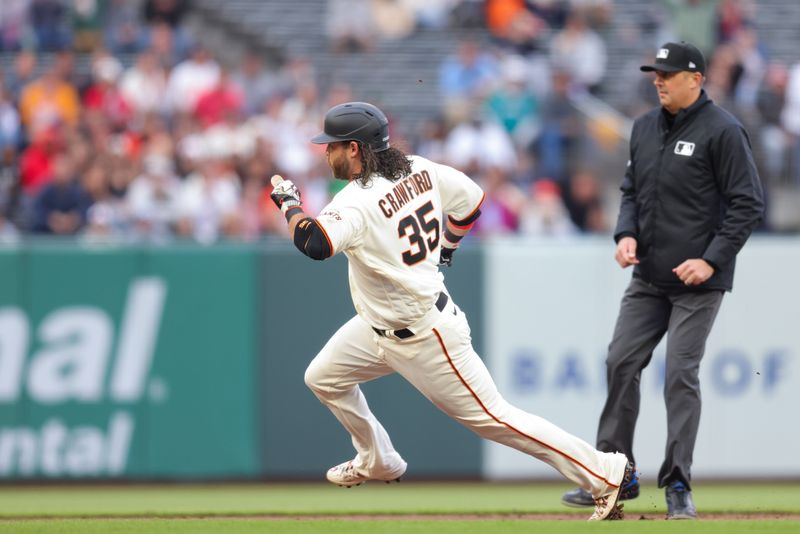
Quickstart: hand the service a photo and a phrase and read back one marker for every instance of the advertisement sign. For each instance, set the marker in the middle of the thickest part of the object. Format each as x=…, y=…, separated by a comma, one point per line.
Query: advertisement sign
x=551, y=310
x=127, y=363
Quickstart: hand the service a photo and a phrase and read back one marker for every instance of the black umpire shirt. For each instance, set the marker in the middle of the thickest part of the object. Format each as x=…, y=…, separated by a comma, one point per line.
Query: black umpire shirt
x=691, y=190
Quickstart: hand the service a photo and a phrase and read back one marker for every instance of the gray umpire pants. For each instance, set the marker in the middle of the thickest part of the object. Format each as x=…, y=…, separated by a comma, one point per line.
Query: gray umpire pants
x=646, y=314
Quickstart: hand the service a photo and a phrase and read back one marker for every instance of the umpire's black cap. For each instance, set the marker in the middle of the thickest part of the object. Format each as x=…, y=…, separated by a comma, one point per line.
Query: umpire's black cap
x=355, y=121
x=674, y=57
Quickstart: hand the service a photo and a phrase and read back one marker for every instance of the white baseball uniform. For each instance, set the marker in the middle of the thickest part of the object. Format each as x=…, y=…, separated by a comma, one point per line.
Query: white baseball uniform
x=391, y=234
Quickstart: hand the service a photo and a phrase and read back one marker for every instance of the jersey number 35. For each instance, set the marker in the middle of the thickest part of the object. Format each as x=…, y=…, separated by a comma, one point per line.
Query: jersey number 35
x=412, y=227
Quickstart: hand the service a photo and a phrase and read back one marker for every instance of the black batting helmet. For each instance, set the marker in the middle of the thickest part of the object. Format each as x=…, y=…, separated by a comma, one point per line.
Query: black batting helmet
x=355, y=121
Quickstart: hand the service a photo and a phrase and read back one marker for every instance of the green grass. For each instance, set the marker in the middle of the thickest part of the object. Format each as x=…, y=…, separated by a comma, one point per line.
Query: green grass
x=247, y=526
x=191, y=508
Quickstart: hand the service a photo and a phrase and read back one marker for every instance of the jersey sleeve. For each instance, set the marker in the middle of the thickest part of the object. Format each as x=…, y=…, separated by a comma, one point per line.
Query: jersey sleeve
x=342, y=223
x=461, y=197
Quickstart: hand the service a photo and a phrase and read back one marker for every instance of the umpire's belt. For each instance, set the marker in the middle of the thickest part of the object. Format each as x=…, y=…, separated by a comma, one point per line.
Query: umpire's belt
x=405, y=333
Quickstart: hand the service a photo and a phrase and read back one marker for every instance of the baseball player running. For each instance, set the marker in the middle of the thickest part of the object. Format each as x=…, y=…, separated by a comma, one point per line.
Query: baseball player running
x=388, y=221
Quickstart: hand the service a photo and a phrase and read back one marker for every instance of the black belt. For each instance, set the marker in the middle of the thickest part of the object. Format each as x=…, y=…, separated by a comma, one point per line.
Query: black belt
x=405, y=333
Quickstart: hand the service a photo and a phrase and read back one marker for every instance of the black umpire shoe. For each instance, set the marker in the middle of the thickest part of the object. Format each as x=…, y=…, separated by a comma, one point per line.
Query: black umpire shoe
x=679, y=502
x=580, y=498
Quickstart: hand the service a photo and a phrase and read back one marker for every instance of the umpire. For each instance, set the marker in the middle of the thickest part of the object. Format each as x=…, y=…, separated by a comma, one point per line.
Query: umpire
x=691, y=196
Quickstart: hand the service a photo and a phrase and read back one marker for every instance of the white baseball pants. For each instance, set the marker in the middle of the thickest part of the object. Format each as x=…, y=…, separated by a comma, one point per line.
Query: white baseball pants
x=440, y=362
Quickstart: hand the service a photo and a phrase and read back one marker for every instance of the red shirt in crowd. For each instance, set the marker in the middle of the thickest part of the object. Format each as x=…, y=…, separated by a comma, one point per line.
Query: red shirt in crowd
x=218, y=104
x=108, y=100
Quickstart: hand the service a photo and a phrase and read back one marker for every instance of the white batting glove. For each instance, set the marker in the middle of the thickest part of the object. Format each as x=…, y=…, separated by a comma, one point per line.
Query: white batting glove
x=285, y=195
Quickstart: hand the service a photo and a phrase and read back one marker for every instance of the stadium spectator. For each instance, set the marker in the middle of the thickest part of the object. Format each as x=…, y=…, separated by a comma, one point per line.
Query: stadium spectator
x=597, y=12
x=559, y=140
x=580, y=51
x=500, y=211
x=282, y=137
x=721, y=76
x=349, y=26
x=394, y=19
x=694, y=21
x=105, y=217
x=10, y=127
x=14, y=18
x=256, y=209
x=774, y=139
x=583, y=200
x=544, y=213
x=86, y=20
x=478, y=145
x=60, y=207
x=22, y=73
x=515, y=26
x=255, y=82
x=224, y=101
x=167, y=48
x=122, y=27
x=749, y=68
x=143, y=85
x=207, y=202
x=467, y=73
x=103, y=99
x=163, y=15
x=733, y=15
x=50, y=100
x=49, y=21
x=431, y=139
x=437, y=13
x=167, y=11
x=790, y=118
x=513, y=105
x=190, y=79
x=465, y=78
x=35, y=166
x=150, y=200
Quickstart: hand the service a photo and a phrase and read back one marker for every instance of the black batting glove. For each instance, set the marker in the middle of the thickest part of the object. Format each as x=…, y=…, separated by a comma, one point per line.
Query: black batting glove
x=285, y=195
x=446, y=256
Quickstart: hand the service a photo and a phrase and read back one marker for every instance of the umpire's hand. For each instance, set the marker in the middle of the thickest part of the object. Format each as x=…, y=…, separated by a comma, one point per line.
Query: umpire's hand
x=626, y=252
x=694, y=272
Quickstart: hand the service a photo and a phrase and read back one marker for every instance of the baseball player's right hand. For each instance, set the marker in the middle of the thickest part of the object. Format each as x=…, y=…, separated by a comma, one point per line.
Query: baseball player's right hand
x=285, y=195
x=446, y=256
x=626, y=252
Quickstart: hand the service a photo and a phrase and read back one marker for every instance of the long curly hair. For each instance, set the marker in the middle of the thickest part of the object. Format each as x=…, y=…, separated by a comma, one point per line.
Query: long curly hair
x=392, y=163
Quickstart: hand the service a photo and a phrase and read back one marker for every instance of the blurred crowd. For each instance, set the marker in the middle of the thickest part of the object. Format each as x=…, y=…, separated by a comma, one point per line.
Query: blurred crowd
x=157, y=139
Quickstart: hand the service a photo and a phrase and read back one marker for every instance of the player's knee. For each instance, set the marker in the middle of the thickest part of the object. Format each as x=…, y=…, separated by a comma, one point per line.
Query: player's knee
x=317, y=378
x=313, y=378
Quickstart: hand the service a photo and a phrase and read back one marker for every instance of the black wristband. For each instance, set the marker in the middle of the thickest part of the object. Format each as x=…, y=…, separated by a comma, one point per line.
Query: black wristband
x=451, y=237
x=292, y=211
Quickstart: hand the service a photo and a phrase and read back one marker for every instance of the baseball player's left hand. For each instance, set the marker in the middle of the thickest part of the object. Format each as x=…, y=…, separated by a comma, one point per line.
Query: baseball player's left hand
x=446, y=256
x=694, y=272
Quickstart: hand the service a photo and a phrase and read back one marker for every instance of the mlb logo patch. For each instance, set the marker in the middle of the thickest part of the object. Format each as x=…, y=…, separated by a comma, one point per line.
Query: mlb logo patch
x=684, y=148
x=662, y=53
